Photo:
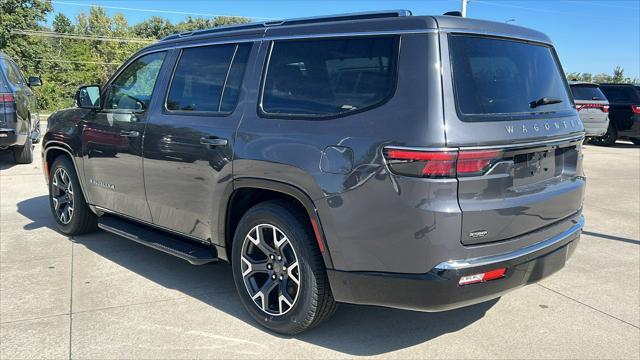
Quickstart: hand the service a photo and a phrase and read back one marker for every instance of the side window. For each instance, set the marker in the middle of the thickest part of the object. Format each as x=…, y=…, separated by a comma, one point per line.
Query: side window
x=16, y=69
x=327, y=77
x=208, y=78
x=132, y=89
x=12, y=74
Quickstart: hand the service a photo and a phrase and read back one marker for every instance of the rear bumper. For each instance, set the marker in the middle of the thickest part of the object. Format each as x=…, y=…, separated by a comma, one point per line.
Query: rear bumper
x=8, y=137
x=438, y=289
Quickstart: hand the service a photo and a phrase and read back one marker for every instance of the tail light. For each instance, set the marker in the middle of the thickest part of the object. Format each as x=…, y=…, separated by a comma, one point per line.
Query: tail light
x=635, y=109
x=604, y=108
x=7, y=98
x=440, y=164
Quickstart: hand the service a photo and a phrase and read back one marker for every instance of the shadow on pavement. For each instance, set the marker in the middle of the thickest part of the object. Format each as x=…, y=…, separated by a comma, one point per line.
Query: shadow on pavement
x=611, y=237
x=6, y=159
x=354, y=330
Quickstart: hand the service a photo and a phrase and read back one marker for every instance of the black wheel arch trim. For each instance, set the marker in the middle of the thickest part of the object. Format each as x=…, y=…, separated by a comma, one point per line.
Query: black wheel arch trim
x=288, y=189
x=58, y=145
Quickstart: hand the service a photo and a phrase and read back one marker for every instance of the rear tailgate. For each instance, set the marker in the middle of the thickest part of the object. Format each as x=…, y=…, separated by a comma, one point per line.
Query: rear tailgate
x=511, y=101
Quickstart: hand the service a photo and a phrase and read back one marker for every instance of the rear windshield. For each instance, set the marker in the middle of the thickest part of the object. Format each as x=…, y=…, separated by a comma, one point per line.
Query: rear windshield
x=587, y=92
x=497, y=77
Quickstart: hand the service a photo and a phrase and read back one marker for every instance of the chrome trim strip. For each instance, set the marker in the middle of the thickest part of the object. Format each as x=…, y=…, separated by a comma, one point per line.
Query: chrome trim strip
x=506, y=146
x=527, y=144
x=486, y=260
x=7, y=130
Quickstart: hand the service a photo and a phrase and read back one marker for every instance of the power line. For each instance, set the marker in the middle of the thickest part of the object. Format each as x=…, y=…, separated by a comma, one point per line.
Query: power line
x=154, y=10
x=549, y=11
x=73, y=61
x=79, y=37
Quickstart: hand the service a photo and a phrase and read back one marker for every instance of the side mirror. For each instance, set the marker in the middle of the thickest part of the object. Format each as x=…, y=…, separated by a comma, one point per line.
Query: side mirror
x=35, y=81
x=88, y=97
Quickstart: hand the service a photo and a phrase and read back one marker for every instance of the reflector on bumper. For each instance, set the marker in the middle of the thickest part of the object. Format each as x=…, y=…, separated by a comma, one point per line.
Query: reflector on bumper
x=482, y=277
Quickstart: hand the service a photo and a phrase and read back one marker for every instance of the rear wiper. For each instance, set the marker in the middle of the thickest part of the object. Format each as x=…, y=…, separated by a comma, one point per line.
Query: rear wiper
x=544, y=101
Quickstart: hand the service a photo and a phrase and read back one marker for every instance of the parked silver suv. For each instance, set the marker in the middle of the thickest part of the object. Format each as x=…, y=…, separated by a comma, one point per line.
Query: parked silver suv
x=592, y=106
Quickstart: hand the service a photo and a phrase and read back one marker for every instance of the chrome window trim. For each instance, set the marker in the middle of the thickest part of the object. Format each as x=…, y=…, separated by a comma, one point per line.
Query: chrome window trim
x=563, y=140
x=492, y=259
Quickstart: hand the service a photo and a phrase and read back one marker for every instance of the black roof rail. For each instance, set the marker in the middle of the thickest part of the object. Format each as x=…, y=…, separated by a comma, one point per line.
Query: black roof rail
x=296, y=21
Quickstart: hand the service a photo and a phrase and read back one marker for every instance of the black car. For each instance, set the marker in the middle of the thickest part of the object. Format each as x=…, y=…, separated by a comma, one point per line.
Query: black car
x=19, y=117
x=624, y=114
x=415, y=162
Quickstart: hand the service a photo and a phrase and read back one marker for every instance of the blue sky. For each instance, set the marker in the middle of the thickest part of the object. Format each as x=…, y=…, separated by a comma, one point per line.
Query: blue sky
x=590, y=35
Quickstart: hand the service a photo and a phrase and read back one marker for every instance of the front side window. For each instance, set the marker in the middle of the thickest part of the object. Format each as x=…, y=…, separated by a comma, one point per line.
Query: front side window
x=207, y=78
x=328, y=77
x=505, y=77
x=133, y=87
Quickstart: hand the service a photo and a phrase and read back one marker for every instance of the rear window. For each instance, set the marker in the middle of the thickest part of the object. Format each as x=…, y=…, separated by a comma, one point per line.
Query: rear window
x=329, y=77
x=494, y=77
x=624, y=94
x=587, y=92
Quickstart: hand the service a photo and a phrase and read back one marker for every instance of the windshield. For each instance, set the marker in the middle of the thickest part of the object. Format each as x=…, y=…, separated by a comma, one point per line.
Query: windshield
x=587, y=92
x=505, y=77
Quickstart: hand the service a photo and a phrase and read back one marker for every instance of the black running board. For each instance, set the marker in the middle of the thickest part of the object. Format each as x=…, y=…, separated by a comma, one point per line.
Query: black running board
x=193, y=252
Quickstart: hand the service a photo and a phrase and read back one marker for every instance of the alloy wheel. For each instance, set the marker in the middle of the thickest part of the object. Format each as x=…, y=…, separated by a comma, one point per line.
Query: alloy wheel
x=270, y=269
x=62, y=195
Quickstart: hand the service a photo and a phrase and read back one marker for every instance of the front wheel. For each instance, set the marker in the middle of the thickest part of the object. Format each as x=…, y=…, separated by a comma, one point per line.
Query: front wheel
x=278, y=269
x=68, y=206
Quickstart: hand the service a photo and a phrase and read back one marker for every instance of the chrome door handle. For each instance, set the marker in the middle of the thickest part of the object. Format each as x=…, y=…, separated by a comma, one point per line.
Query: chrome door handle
x=130, y=134
x=211, y=142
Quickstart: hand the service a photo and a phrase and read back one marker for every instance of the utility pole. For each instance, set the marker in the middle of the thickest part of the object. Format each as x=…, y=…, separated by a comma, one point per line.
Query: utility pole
x=464, y=8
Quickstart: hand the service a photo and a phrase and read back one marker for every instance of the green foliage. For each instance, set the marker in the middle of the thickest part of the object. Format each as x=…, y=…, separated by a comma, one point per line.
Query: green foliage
x=66, y=63
x=617, y=77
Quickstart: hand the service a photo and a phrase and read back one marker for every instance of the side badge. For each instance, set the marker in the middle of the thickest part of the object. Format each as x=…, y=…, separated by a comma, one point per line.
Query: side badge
x=478, y=234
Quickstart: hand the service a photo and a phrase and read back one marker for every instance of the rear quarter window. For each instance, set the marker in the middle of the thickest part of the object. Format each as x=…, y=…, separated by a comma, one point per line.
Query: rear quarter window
x=318, y=78
x=496, y=78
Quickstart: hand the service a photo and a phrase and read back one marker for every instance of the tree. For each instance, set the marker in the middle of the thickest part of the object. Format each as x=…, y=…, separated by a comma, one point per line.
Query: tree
x=66, y=63
x=153, y=28
x=618, y=75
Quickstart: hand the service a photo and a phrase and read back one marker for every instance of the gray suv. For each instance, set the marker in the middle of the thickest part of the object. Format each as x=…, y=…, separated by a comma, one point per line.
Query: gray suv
x=414, y=162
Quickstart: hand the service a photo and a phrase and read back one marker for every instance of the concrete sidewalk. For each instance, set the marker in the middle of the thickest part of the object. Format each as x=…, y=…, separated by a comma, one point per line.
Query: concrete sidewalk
x=101, y=296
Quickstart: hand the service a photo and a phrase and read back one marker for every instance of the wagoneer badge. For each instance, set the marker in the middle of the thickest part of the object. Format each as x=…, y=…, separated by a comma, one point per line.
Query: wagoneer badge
x=537, y=127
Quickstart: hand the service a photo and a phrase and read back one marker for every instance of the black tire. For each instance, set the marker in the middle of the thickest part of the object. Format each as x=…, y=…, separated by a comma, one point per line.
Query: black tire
x=314, y=302
x=81, y=220
x=635, y=140
x=23, y=154
x=608, y=139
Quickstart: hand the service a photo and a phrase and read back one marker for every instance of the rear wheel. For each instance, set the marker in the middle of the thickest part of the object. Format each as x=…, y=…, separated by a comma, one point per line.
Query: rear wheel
x=608, y=139
x=278, y=269
x=68, y=206
x=23, y=154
